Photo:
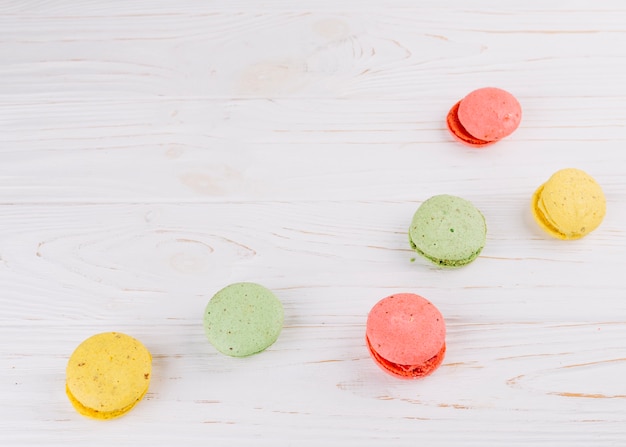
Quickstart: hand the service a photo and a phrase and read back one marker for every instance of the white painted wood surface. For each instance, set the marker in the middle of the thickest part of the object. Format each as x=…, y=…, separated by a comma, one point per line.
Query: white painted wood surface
x=154, y=151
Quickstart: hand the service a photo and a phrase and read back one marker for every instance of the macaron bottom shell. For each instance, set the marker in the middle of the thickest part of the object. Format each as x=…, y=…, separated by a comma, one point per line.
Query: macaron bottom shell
x=543, y=222
x=448, y=231
x=450, y=263
x=101, y=415
x=407, y=371
x=460, y=133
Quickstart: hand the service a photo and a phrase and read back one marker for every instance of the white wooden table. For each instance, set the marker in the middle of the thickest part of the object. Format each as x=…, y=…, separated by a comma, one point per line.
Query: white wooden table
x=152, y=152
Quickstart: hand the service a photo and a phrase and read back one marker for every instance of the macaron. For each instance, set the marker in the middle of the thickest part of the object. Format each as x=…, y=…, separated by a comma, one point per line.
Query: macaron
x=243, y=319
x=448, y=231
x=570, y=205
x=107, y=374
x=405, y=335
x=484, y=117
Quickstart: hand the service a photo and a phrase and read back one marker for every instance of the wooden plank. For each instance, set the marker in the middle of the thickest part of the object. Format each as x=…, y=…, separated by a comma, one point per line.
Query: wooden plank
x=202, y=51
x=81, y=263
x=206, y=150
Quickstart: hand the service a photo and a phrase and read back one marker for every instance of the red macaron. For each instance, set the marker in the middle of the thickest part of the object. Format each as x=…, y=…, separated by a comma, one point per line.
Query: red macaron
x=405, y=335
x=484, y=117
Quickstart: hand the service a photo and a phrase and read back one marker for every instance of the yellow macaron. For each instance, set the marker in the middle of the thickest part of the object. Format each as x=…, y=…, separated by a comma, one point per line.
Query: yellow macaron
x=569, y=205
x=107, y=374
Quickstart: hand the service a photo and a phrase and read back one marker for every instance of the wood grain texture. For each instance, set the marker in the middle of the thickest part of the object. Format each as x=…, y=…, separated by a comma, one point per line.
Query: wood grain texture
x=154, y=151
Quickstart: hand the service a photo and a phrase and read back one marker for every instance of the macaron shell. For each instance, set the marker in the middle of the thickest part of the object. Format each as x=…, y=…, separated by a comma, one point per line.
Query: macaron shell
x=243, y=319
x=458, y=131
x=95, y=414
x=406, y=329
x=408, y=371
x=540, y=217
x=448, y=230
x=489, y=114
x=570, y=205
x=107, y=374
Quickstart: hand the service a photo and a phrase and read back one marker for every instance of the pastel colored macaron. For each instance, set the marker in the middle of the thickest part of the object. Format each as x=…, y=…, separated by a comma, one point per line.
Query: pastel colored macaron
x=570, y=205
x=447, y=230
x=484, y=117
x=405, y=335
x=243, y=319
x=107, y=375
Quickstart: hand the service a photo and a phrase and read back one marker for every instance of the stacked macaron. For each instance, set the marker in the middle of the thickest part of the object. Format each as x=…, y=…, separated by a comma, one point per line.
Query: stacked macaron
x=484, y=117
x=448, y=231
x=107, y=375
x=570, y=205
x=405, y=335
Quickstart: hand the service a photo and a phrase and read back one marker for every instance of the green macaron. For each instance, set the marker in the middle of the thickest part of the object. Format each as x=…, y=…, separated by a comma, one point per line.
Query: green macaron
x=243, y=319
x=448, y=231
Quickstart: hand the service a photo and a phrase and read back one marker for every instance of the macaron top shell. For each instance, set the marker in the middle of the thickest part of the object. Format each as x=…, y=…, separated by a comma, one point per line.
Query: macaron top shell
x=490, y=113
x=243, y=319
x=107, y=374
x=448, y=230
x=406, y=329
x=570, y=205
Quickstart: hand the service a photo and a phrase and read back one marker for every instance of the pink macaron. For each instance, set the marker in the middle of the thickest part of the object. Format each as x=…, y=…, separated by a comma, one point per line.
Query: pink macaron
x=484, y=117
x=405, y=335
